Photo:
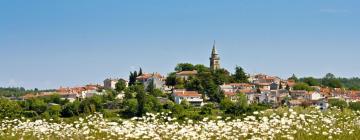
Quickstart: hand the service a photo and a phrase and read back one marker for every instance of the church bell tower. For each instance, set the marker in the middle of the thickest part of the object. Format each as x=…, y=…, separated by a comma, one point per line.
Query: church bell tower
x=214, y=59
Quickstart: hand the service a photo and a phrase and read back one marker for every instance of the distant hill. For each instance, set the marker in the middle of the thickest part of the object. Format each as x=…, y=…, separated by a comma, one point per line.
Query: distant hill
x=17, y=91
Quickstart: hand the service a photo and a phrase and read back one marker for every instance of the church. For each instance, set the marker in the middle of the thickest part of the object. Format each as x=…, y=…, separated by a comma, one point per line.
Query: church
x=214, y=59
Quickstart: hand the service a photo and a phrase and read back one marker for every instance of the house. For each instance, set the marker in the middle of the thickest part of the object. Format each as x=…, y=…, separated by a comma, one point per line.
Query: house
x=262, y=78
x=263, y=86
x=296, y=102
x=274, y=86
x=281, y=95
x=313, y=96
x=298, y=94
x=82, y=92
x=236, y=87
x=156, y=79
x=233, y=96
x=144, y=77
x=268, y=97
x=110, y=83
x=251, y=95
x=322, y=104
x=193, y=97
x=157, y=83
x=352, y=96
x=186, y=74
x=290, y=84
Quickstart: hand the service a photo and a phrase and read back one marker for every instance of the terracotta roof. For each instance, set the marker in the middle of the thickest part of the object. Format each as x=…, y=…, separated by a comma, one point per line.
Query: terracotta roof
x=354, y=94
x=240, y=84
x=269, y=78
x=247, y=91
x=187, y=94
x=290, y=83
x=28, y=96
x=194, y=72
x=148, y=75
x=230, y=93
x=263, y=84
x=67, y=90
x=241, y=91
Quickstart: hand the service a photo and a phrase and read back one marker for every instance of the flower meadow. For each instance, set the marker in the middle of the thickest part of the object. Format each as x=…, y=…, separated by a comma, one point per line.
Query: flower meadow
x=282, y=124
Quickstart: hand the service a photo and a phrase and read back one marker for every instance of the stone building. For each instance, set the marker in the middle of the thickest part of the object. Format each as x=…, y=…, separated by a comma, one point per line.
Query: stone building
x=214, y=59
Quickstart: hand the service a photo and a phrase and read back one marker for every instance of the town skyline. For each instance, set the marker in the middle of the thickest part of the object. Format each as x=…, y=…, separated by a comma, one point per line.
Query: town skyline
x=213, y=55
x=47, y=45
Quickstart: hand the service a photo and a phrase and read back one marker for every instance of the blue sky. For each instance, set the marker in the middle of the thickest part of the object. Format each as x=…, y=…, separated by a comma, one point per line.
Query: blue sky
x=48, y=44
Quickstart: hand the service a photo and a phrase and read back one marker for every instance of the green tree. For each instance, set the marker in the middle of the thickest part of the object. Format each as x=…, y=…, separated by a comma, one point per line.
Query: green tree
x=303, y=86
x=131, y=107
x=120, y=85
x=184, y=67
x=240, y=76
x=71, y=109
x=156, y=93
x=67, y=110
x=226, y=105
x=201, y=68
x=337, y=103
x=329, y=76
x=177, y=111
x=152, y=104
x=54, y=111
x=207, y=109
x=221, y=76
x=311, y=81
x=171, y=79
x=151, y=86
x=213, y=92
x=38, y=105
x=132, y=78
x=141, y=99
x=242, y=100
x=294, y=78
x=354, y=106
x=140, y=71
x=96, y=102
x=9, y=109
x=54, y=98
x=180, y=83
x=331, y=81
x=193, y=84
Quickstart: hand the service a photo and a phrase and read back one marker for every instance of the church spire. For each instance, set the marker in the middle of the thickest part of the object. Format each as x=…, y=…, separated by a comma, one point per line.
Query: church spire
x=214, y=59
x=214, y=48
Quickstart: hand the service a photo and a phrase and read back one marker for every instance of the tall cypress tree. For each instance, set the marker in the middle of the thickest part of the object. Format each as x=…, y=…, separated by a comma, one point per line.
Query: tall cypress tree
x=140, y=71
x=131, y=79
x=240, y=75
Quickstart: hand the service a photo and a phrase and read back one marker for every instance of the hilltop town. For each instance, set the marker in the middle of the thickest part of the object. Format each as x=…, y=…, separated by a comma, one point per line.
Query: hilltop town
x=195, y=86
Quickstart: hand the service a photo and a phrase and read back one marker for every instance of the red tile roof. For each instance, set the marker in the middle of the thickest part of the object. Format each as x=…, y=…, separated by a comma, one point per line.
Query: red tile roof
x=230, y=93
x=263, y=84
x=147, y=76
x=187, y=94
x=194, y=72
x=240, y=84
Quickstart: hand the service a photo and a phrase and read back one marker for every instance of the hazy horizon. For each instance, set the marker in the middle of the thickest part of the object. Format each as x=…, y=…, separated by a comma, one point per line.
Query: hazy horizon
x=48, y=44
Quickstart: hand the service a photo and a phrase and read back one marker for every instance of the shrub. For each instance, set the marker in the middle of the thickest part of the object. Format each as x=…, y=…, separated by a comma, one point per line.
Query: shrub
x=9, y=109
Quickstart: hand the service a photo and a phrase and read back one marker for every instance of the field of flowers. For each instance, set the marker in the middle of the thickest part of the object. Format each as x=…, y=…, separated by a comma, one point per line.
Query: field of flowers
x=283, y=123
